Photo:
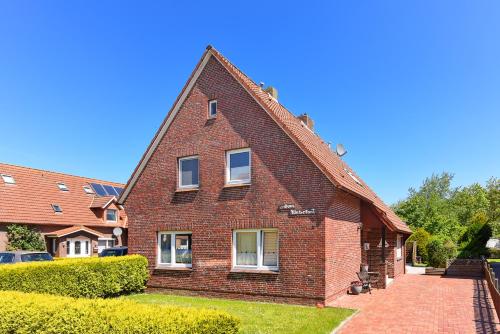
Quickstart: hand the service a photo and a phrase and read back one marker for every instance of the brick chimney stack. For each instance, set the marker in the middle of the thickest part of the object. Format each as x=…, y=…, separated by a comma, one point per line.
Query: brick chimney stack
x=307, y=120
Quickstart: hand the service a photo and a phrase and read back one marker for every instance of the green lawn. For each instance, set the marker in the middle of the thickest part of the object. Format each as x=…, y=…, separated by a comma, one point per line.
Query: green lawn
x=260, y=317
x=493, y=260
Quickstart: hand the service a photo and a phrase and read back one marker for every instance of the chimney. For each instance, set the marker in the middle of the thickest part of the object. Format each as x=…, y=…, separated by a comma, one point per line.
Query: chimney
x=272, y=91
x=307, y=120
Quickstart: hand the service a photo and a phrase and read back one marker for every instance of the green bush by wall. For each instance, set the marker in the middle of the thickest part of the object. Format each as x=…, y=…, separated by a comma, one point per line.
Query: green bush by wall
x=90, y=277
x=36, y=313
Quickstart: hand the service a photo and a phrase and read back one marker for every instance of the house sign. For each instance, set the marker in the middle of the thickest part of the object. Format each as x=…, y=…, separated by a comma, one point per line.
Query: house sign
x=304, y=212
x=286, y=207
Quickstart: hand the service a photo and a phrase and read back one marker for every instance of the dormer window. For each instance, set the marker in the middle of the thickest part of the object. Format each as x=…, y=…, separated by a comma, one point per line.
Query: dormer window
x=212, y=109
x=56, y=208
x=111, y=215
x=88, y=190
x=8, y=179
x=62, y=186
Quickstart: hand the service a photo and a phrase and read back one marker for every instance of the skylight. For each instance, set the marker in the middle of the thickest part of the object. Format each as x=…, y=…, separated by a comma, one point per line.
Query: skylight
x=8, y=179
x=353, y=177
x=88, y=190
x=62, y=186
x=56, y=208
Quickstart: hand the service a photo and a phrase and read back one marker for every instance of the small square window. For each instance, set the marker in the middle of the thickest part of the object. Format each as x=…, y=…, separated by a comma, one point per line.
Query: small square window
x=111, y=215
x=189, y=172
x=238, y=166
x=56, y=208
x=8, y=179
x=62, y=186
x=88, y=190
x=212, y=108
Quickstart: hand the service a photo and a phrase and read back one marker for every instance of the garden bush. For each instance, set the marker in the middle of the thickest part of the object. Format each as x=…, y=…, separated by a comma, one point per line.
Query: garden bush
x=439, y=250
x=90, y=277
x=422, y=237
x=36, y=313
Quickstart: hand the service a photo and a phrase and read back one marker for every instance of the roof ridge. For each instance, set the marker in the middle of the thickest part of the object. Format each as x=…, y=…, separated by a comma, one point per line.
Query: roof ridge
x=58, y=173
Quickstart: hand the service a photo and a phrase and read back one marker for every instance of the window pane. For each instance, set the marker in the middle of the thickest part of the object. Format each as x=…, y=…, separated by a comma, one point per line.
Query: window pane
x=77, y=247
x=183, y=248
x=270, y=249
x=239, y=166
x=246, y=248
x=189, y=172
x=213, y=108
x=111, y=215
x=165, y=248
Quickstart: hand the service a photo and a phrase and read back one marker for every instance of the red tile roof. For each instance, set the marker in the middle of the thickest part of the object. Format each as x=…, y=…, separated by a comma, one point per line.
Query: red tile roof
x=29, y=200
x=102, y=202
x=319, y=151
x=73, y=229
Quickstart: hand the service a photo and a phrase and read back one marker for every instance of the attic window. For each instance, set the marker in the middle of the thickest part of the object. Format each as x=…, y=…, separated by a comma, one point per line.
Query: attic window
x=353, y=177
x=212, y=108
x=8, y=179
x=62, y=186
x=56, y=208
x=88, y=190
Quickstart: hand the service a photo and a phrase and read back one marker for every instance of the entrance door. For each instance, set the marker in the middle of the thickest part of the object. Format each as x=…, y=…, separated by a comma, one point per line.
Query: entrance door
x=78, y=247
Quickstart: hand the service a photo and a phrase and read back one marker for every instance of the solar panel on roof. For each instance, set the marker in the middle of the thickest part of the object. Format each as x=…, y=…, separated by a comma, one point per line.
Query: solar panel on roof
x=98, y=189
x=119, y=190
x=110, y=190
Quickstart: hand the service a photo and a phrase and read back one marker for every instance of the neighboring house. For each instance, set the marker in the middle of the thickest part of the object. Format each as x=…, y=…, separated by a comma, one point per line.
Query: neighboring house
x=235, y=196
x=76, y=215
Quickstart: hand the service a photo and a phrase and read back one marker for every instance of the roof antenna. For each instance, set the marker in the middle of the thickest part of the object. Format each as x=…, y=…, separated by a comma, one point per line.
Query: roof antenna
x=261, y=84
x=340, y=149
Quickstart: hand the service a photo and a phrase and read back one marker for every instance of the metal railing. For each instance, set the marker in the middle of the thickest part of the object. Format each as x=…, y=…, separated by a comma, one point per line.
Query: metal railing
x=493, y=285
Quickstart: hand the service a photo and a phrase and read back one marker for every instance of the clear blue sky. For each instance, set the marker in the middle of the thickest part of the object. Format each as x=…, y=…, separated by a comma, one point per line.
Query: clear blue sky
x=409, y=87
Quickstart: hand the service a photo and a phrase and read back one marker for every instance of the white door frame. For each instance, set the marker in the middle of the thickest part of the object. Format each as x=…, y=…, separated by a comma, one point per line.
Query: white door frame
x=70, y=252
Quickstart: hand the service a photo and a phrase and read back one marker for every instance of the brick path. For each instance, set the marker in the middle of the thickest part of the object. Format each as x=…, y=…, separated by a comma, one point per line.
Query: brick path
x=423, y=304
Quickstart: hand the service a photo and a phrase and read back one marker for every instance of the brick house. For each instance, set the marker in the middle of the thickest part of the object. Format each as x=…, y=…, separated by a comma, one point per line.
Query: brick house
x=237, y=197
x=75, y=215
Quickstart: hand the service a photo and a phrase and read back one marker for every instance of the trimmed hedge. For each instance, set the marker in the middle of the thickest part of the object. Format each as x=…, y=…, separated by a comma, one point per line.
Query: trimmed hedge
x=36, y=313
x=90, y=277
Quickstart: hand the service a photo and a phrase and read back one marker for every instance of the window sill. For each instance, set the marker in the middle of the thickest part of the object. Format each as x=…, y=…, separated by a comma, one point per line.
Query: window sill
x=254, y=271
x=173, y=268
x=184, y=190
x=399, y=258
x=237, y=185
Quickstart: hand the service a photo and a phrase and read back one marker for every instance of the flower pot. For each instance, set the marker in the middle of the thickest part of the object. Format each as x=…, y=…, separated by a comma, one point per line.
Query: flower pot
x=356, y=289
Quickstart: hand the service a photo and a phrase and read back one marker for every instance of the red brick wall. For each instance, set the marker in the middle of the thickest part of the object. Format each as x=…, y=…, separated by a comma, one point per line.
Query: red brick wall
x=343, y=239
x=281, y=173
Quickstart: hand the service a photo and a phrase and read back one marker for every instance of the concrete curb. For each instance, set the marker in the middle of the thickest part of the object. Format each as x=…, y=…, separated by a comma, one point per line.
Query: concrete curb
x=343, y=323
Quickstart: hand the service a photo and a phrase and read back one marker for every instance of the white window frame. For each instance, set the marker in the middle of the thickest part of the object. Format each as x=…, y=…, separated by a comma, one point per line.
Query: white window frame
x=62, y=186
x=228, y=166
x=172, y=250
x=210, y=115
x=399, y=246
x=8, y=179
x=179, y=173
x=88, y=190
x=260, y=250
x=116, y=215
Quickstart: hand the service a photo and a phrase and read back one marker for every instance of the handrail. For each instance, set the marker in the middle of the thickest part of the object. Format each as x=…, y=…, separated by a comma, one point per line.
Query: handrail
x=492, y=282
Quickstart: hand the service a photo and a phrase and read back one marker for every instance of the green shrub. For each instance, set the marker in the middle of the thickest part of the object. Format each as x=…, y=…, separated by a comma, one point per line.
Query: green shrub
x=21, y=237
x=422, y=237
x=36, y=313
x=439, y=250
x=90, y=277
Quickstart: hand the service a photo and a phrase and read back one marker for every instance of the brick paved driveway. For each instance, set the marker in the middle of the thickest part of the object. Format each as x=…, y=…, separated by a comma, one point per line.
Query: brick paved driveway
x=423, y=304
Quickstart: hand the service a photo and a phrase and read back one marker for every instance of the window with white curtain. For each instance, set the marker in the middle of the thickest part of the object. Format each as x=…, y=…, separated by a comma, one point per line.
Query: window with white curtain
x=255, y=249
x=399, y=246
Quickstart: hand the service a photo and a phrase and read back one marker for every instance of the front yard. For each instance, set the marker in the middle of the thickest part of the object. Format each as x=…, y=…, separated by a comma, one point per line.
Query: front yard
x=260, y=317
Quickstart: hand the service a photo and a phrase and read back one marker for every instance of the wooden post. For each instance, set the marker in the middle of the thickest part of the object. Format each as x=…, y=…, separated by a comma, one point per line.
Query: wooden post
x=414, y=253
x=496, y=283
x=383, y=244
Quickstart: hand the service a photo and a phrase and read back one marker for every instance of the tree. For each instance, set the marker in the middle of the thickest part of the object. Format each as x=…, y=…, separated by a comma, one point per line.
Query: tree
x=422, y=237
x=21, y=237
